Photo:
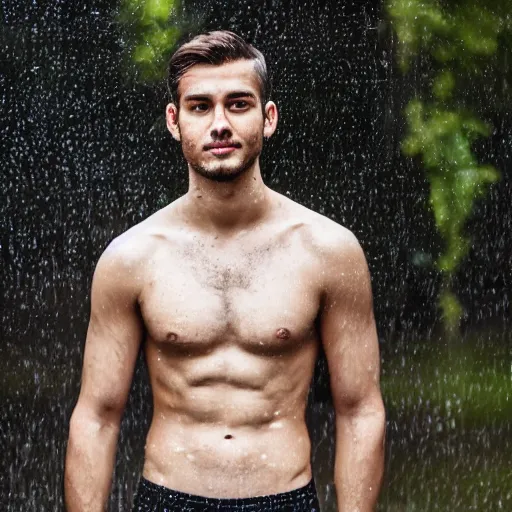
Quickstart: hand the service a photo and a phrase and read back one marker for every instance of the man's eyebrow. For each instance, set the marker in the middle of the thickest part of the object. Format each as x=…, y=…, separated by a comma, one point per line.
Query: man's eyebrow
x=241, y=94
x=196, y=97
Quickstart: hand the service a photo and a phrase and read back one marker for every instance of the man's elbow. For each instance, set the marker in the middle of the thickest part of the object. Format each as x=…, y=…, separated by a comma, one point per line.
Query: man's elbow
x=367, y=414
x=87, y=420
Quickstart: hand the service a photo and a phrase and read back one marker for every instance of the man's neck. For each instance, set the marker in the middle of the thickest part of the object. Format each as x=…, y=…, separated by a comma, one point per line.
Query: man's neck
x=227, y=207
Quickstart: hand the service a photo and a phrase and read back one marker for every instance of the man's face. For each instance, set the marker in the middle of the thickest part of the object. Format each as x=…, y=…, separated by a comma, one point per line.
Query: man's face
x=220, y=121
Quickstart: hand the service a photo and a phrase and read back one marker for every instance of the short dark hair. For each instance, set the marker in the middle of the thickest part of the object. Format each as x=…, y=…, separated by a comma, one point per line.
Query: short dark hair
x=217, y=47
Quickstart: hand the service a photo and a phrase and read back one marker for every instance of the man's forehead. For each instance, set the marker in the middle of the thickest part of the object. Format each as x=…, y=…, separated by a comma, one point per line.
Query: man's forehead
x=208, y=79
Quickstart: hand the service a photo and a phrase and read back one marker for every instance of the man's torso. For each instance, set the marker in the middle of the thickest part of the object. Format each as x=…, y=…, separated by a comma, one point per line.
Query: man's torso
x=231, y=343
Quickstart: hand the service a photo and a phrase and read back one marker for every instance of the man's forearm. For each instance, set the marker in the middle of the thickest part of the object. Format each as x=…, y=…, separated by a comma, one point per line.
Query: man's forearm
x=89, y=463
x=359, y=463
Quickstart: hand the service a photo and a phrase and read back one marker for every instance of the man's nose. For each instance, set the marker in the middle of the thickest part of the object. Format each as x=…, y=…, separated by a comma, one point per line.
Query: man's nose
x=220, y=127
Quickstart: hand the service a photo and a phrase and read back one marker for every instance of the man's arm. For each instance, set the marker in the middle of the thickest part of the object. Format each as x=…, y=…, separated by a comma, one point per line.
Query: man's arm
x=350, y=342
x=113, y=340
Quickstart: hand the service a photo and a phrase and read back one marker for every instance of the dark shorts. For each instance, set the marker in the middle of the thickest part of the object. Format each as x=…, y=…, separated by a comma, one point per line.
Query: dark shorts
x=151, y=497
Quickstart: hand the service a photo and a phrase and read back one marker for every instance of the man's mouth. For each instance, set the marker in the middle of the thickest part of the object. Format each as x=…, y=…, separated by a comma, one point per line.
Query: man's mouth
x=222, y=148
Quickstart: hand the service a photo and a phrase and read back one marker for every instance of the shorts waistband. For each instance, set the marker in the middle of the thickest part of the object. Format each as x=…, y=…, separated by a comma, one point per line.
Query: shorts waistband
x=305, y=495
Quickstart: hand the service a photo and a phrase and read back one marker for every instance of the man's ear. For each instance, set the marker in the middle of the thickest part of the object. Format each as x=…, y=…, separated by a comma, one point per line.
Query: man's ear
x=270, y=119
x=171, y=119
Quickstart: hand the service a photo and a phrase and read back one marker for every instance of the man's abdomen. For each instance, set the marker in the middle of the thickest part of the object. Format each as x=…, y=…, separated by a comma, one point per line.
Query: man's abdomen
x=227, y=461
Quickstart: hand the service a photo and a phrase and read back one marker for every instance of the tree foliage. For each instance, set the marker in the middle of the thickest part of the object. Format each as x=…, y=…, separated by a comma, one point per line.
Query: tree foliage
x=461, y=48
x=153, y=31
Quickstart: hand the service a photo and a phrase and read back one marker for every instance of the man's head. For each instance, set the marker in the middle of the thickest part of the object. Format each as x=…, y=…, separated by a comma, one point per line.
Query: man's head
x=216, y=48
x=219, y=111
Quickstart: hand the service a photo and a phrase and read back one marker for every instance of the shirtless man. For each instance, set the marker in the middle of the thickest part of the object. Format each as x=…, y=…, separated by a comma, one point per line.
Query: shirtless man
x=231, y=290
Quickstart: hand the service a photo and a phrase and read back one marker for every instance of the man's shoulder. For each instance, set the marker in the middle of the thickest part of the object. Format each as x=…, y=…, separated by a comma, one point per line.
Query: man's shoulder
x=138, y=243
x=327, y=236
x=341, y=259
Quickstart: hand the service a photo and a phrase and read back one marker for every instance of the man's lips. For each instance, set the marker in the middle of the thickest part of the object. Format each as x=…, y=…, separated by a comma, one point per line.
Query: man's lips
x=222, y=148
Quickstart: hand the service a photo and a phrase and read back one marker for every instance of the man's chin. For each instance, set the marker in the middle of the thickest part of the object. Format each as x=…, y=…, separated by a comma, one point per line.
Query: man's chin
x=222, y=174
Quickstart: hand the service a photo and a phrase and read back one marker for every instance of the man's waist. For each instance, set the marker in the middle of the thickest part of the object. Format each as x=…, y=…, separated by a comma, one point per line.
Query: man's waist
x=227, y=460
x=277, y=443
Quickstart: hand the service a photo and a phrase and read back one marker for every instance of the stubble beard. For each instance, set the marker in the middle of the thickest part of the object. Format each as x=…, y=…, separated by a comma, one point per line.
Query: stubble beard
x=224, y=174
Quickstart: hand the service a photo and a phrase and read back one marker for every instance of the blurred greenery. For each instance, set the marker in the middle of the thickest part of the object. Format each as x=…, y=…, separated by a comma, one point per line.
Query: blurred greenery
x=466, y=386
x=449, y=411
x=460, y=49
x=153, y=29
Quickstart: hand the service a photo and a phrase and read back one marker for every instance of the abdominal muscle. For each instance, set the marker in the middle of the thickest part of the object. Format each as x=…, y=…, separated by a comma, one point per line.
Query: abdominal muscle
x=228, y=437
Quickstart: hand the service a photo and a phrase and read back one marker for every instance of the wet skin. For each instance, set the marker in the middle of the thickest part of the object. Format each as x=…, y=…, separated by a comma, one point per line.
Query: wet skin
x=230, y=291
x=231, y=365
x=231, y=332
x=231, y=369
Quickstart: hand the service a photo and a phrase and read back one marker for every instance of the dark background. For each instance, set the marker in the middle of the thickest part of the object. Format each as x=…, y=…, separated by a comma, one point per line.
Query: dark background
x=85, y=154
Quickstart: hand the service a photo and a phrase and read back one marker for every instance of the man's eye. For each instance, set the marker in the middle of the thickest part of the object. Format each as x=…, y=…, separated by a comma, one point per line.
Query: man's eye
x=239, y=105
x=199, y=107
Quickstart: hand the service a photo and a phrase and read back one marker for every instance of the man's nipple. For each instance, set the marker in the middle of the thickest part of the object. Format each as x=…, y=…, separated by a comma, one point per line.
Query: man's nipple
x=171, y=336
x=283, y=333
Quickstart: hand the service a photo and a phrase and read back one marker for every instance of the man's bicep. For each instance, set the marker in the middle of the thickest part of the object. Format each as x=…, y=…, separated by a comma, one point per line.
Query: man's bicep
x=349, y=334
x=113, y=340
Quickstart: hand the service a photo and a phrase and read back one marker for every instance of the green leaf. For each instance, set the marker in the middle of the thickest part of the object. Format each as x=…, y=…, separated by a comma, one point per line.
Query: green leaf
x=443, y=85
x=451, y=309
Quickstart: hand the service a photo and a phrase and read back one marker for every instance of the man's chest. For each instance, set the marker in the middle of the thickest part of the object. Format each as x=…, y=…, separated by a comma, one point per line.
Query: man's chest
x=265, y=298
